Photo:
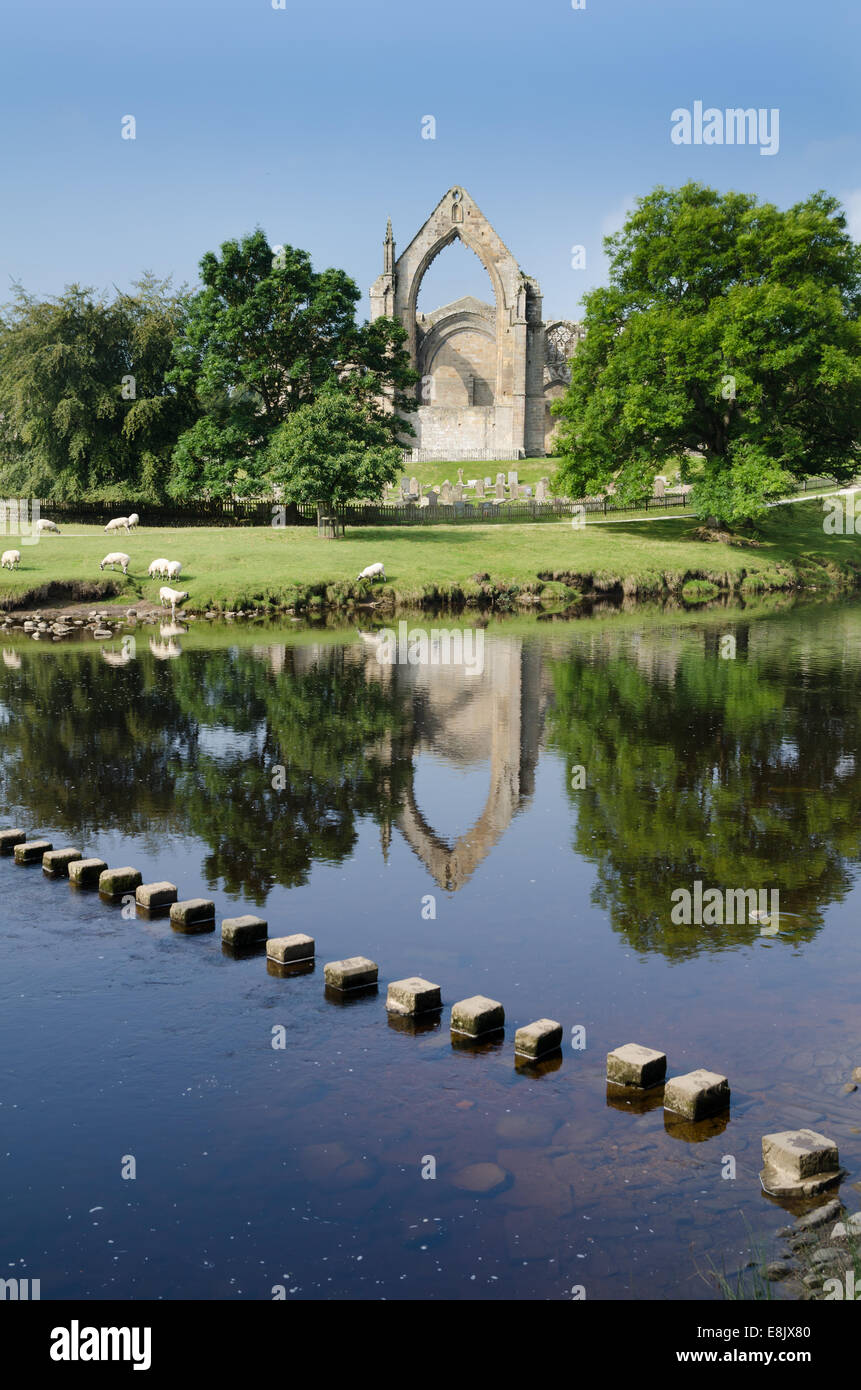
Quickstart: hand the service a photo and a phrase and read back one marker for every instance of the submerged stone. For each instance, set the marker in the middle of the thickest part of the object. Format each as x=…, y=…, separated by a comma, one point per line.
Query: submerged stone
x=247, y=930
x=635, y=1065
x=477, y=1015
x=352, y=973
x=86, y=871
x=57, y=861
x=480, y=1177
x=10, y=838
x=534, y=1039
x=413, y=996
x=697, y=1094
x=286, y=949
x=31, y=851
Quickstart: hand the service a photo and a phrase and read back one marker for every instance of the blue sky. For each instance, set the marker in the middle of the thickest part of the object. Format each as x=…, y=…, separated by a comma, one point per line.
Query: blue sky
x=307, y=121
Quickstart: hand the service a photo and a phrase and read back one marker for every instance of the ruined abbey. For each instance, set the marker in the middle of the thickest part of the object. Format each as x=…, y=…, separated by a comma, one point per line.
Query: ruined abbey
x=488, y=372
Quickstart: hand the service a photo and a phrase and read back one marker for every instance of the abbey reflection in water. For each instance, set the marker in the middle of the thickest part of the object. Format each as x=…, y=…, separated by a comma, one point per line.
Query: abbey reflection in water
x=740, y=773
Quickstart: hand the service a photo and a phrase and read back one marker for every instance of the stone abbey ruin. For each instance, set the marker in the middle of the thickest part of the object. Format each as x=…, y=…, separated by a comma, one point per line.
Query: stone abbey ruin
x=488, y=372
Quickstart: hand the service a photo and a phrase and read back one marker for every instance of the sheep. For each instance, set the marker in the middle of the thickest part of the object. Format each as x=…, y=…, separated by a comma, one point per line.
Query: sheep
x=118, y=523
x=43, y=526
x=173, y=569
x=133, y=521
x=158, y=566
x=116, y=557
x=372, y=572
x=172, y=597
x=9, y=559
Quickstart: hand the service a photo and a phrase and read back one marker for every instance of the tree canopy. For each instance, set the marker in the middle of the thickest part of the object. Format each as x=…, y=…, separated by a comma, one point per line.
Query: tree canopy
x=729, y=329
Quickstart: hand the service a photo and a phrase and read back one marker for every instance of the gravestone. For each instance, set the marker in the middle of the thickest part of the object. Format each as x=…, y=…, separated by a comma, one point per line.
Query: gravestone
x=445, y=492
x=479, y=487
x=414, y=487
x=541, y=490
x=488, y=482
x=500, y=487
x=512, y=480
x=660, y=484
x=460, y=476
x=458, y=492
x=432, y=498
x=527, y=490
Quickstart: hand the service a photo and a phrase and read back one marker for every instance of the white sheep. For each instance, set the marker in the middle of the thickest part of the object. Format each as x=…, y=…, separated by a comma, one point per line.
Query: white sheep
x=133, y=521
x=173, y=570
x=372, y=572
x=116, y=557
x=118, y=523
x=43, y=525
x=172, y=597
x=9, y=559
x=158, y=566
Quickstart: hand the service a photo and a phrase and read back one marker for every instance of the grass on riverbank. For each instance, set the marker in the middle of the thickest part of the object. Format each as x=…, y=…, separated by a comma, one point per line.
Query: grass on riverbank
x=228, y=568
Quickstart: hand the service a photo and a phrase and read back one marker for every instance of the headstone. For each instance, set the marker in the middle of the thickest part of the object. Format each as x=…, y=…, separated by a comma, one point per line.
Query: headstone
x=479, y=487
x=460, y=476
x=659, y=487
x=432, y=498
x=541, y=490
x=414, y=487
x=488, y=482
x=458, y=492
x=445, y=492
x=500, y=486
x=512, y=479
x=527, y=490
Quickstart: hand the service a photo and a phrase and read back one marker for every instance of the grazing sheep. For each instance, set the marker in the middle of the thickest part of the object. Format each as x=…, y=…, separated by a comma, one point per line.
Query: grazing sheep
x=173, y=569
x=118, y=523
x=116, y=557
x=133, y=521
x=172, y=597
x=372, y=572
x=9, y=559
x=158, y=566
x=43, y=525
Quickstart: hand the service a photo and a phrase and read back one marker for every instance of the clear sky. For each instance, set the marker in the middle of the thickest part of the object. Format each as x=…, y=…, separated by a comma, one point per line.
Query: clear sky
x=307, y=121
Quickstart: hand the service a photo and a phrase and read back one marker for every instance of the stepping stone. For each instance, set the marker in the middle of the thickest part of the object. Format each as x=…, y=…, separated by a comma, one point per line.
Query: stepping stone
x=634, y=1065
x=477, y=1015
x=287, y=949
x=86, y=871
x=798, y=1163
x=697, y=1094
x=113, y=882
x=192, y=912
x=352, y=973
x=247, y=930
x=31, y=851
x=535, y=1039
x=155, y=895
x=10, y=838
x=413, y=996
x=57, y=861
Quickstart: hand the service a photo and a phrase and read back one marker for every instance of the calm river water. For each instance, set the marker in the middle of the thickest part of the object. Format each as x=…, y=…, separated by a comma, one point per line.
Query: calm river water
x=432, y=820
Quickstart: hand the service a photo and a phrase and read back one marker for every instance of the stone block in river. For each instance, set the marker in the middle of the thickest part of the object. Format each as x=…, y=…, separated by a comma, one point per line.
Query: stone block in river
x=83, y=872
x=798, y=1162
x=352, y=973
x=696, y=1094
x=477, y=1016
x=10, y=838
x=534, y=1039
x=413, y=996
x=287, y=949
x=634, y=1065
x=31, y=851
x=192, y=912
x=156, y=895
x=57, y=861
x=247, y=930
x=113, y=882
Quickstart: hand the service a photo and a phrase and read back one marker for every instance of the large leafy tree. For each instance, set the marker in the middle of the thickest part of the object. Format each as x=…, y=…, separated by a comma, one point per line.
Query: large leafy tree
x=84, y=404
x=265, y=334
x=334, y=450
x=729, y=329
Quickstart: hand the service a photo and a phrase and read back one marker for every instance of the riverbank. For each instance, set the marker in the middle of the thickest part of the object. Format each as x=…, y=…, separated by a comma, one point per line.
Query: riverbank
x=497, y=567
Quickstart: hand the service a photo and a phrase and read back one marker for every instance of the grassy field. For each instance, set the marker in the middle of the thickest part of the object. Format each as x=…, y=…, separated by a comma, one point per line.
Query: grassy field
x=229, y=568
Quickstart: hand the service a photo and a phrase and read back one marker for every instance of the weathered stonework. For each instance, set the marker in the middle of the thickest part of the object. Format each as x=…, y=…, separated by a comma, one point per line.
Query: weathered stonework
x=487, y=373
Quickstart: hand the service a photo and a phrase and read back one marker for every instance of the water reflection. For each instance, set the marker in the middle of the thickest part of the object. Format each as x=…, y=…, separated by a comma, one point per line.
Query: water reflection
x=737, y=772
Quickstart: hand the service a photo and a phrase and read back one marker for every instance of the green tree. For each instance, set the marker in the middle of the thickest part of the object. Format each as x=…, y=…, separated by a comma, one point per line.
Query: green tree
x=265, y=334
x=730, y=329
x=84, y=404
x=332, y=451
